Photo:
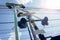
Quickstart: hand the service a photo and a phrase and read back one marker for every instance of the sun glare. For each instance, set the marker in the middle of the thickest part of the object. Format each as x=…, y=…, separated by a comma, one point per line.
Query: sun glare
x=51, y=4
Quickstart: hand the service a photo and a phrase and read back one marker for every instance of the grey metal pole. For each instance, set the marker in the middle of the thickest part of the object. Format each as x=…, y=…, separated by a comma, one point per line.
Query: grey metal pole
x=15, y=20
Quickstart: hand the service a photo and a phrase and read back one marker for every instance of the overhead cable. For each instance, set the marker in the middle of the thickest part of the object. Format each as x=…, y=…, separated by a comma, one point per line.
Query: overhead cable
x=30, y=8
x=6, y=22
x=7, y=29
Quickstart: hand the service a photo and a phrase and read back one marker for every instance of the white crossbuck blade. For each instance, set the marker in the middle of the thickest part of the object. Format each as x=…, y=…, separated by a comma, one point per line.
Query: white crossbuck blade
x=40, y=31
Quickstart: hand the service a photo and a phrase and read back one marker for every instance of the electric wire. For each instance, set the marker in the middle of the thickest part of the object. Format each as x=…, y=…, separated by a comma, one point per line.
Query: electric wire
x=28, y=21
x=6, y=22
x=25, y=11
x=29, y=8
x=5, y=37
x=5, y=32
x=7, y=29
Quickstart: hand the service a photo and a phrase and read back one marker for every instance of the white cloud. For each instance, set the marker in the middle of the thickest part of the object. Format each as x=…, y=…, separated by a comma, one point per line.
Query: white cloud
x=12, y=37
x=52, y=4
x=23, y=1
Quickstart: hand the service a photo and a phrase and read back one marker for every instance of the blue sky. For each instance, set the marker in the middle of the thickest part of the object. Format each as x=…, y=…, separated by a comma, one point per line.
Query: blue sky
x=33, y=3
x=51, y=4
x=7, y=16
